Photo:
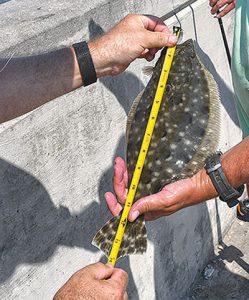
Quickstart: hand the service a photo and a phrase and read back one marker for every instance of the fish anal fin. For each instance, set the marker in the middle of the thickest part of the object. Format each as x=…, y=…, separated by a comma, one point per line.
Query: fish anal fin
x=134, y=239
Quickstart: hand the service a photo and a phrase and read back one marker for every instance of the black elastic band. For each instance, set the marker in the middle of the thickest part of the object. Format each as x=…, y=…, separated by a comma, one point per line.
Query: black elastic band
x=85, y=62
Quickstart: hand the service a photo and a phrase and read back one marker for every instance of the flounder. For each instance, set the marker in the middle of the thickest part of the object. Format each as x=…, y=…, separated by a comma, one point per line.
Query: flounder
x=185, y=134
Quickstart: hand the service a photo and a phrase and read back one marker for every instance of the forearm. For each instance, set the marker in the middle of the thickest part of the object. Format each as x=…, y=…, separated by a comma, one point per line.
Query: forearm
x=28, y=82
x=235, y=165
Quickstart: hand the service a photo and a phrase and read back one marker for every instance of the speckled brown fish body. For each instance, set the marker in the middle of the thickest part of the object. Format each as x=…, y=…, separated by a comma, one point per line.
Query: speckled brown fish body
x=186, y=132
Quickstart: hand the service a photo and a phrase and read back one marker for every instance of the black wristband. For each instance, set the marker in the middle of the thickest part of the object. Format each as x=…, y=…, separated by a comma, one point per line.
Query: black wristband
x=85, y=62
x=226, y=192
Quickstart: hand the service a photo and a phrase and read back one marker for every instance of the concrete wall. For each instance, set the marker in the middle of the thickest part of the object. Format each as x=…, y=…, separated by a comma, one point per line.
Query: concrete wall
x=56, y=162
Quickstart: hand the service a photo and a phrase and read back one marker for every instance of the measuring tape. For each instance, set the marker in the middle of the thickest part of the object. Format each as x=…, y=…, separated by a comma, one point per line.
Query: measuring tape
x=143, y=150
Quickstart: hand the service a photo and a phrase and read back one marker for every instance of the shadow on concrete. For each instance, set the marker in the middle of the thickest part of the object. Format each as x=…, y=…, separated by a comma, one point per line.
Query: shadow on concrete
x=223, y=283
x=226, y=95
x=4, y=1
x=229, y=253
x=232, y=253
x=32, y=227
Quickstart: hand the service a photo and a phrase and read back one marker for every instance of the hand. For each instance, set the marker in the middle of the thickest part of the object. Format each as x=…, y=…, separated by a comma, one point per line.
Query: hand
x=96, y=281
x=136, y=36
x=223, y=6
x=170, y=199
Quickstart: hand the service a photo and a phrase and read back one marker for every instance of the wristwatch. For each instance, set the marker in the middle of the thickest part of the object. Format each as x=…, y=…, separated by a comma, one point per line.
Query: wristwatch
x=225, y=191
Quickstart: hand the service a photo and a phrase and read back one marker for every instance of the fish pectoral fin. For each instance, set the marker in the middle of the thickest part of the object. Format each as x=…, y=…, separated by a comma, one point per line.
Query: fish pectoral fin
x=134, y=239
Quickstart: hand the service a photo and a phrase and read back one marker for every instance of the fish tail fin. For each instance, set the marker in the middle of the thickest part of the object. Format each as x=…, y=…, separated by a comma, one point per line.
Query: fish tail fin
x=134, y=239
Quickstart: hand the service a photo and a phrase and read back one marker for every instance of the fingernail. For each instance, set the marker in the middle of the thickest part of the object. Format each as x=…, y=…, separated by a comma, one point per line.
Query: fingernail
x=134, y=215
x=172, y=39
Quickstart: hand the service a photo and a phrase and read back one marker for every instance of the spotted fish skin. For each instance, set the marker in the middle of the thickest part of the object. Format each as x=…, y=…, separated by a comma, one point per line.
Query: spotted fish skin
x=186, y=133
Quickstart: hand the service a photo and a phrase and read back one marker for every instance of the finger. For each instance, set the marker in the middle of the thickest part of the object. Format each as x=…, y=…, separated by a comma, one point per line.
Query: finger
x=120, y=277
x=144, y=52
x=153, y=23
x=112, y=204
x=120, y=179
x=170, y=199
x=226, y=10
x=100, y=271
x=149, y=57
x=145, y=205
x=149, y=54
x=218, y=6
x=158, y=39
x=125, y=296
x=153, y=51
x=212, y=2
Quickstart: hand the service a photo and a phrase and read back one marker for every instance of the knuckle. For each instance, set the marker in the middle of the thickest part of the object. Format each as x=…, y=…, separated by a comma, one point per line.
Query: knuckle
x=146, y=205
x=98, y=265
x=118, y=293
x=130, y=16
x=124, y=275
x=161, y=38
x=212, y=2
x=219, y=4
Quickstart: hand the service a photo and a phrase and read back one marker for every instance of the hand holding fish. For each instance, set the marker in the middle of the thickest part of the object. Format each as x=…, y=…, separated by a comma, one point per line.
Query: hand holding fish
x=136, y=36
x=96, y=281
x=169, y=200
x=180, y=194
x=223, y=6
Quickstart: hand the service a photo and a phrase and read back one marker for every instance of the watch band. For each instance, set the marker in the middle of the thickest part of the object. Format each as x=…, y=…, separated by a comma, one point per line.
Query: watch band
x=85, y=62
x=226, y=192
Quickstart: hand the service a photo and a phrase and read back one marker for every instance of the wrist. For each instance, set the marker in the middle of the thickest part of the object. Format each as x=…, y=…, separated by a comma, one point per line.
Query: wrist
x=203, y=188
x=100, y=58
x=77, y=79
x=235, y=164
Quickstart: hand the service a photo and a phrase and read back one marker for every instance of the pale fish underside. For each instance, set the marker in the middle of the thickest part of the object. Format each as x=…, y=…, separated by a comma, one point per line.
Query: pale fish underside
x=185, y=134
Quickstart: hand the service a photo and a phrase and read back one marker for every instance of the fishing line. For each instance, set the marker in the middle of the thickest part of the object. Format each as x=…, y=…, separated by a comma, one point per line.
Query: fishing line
x=7, y=62
x=179, y=22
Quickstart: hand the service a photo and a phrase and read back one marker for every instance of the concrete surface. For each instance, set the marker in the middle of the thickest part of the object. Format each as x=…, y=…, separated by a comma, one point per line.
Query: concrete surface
x=56, y=162
x=229, y=277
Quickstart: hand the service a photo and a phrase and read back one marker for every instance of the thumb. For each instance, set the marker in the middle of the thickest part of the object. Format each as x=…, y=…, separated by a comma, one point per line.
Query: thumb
x=168, y=197
x=159, y=39
x=100, y=271
x=144, y=205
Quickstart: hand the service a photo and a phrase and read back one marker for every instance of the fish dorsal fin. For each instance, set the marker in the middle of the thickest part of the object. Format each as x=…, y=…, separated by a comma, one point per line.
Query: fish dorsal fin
x=132, y=112
x=211, y=137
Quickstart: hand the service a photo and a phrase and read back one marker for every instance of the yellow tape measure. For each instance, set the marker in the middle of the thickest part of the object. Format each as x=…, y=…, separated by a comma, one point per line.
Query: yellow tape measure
x=143, y=150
